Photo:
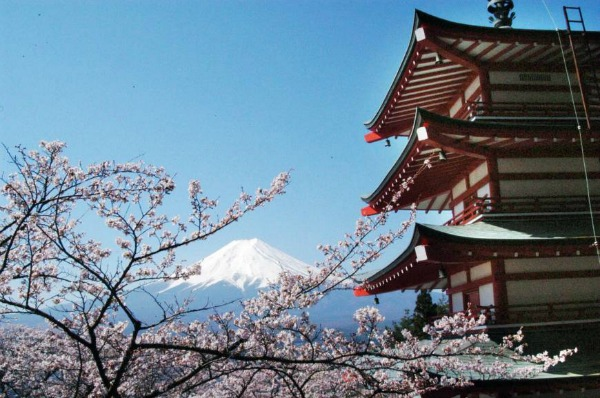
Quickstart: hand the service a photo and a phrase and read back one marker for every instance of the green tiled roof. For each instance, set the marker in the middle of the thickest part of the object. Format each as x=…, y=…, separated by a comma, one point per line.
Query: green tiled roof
x=506, y=230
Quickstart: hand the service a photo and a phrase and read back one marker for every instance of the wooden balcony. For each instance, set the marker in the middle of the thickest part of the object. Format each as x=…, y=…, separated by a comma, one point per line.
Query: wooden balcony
x=549, y=312
x=524, y=110
x=535, y=313
x=477, y=206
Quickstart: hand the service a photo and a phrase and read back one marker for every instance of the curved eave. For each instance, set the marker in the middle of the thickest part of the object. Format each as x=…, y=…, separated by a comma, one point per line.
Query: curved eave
x=411, y=45
x=412, y=139
x=410, y=168
x=466, y=144
x=433, y=248
x=423, y=81
x=404, y=257
x=403, y=273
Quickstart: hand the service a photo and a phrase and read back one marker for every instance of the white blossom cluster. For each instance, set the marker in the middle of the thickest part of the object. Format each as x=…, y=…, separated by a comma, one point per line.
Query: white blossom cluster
x=50, y=268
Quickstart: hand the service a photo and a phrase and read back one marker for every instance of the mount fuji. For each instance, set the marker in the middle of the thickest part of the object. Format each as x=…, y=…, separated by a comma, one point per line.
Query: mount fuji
x=239, y=269
x=245, y=264
x=236, y=272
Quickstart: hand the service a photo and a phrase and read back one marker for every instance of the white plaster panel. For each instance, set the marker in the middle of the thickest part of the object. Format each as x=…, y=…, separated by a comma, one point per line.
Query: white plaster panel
x=559, y=188
x=438, y=202
x=457, y=302
x=472, y=88
x=515, y=266
x=552, y=290
x=544, y=165
x=459, y=188
x=456, y=107
x=478, y=174
x=460, y=278
x=484, y=191
x=486, y=294
x=530, y=78
x=481, y=271
x=532, y=96
x=459, y=208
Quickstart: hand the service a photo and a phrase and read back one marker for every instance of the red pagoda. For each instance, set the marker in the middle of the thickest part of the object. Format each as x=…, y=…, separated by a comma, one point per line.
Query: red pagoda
x=503, y=129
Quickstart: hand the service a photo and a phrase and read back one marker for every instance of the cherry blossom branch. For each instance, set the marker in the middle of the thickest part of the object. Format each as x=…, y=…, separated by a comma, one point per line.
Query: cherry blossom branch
x=98, y=345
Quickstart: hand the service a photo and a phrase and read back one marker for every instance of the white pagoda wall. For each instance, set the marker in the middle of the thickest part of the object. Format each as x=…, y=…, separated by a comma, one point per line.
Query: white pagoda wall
x=508, y=87
x=546, y=291
x=537, y=289
x=470, y=94
x=534, y=296
x=510, y=186
x=463, y=187
x=469, y=280
x=544, y=165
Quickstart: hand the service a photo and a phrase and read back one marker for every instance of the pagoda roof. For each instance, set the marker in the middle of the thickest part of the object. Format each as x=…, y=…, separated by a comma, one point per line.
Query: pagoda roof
x=425, y=179
x=434, y=246
x=444, y=56
x=503, y=230
x=578, y=373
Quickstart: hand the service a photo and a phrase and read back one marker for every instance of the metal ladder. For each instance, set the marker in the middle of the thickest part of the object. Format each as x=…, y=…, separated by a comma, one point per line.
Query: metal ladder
x=585, y=67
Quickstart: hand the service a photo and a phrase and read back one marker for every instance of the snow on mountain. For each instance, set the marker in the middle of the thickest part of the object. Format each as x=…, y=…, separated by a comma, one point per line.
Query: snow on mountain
x=240, y=268
x=236, y=272
x=243, y=264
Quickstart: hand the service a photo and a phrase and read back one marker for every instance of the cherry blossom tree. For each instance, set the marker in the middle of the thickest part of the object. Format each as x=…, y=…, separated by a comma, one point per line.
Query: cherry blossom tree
x=96, y=344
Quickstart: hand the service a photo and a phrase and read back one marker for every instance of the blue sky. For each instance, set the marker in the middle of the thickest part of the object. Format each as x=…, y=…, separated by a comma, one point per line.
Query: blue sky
x=229, y=92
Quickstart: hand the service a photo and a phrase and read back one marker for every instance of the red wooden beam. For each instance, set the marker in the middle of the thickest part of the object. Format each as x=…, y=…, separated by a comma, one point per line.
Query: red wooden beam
x=360, y=291
x=373, y=136
x=369, y=211
x=435, y=44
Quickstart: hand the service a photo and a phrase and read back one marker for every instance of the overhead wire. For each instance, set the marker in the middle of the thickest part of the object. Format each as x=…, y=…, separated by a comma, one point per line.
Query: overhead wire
x=580, y=134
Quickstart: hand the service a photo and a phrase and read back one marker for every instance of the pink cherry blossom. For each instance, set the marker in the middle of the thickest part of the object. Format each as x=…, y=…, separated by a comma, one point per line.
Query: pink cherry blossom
x=51, y=267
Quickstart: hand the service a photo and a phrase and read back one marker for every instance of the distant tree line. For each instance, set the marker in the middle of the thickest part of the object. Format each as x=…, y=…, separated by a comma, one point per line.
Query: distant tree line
x=424, y=314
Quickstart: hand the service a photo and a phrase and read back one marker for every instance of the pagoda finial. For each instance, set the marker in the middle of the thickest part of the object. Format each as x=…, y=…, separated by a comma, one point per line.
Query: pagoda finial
x=501, y=9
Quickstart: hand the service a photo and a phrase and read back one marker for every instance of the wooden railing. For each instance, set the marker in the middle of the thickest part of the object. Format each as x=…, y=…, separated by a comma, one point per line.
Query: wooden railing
x=476, y=206
x=525, y=109
x=544, y=312
x=548, y=312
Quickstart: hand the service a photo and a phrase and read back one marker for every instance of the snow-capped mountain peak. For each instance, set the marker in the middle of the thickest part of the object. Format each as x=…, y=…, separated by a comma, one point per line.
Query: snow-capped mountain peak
x=244, y=263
